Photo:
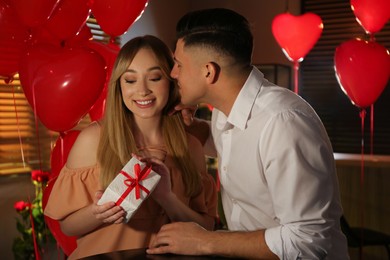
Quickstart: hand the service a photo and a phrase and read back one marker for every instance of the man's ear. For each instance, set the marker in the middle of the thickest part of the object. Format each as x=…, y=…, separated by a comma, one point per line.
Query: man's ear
x=212, y=71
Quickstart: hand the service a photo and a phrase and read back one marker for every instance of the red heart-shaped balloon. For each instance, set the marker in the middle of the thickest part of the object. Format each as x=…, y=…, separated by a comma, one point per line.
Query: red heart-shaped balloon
x=297, y=35
x=116, y=17
x=372, y=15
x=13, y=39
x=60, y=152
x=61, y=84
x=68, y=18
x=362, y=69
x=34, y=12
x=109, y=52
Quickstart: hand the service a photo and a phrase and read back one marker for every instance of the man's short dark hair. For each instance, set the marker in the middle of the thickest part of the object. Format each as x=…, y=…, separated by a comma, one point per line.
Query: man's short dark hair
x=222, y=30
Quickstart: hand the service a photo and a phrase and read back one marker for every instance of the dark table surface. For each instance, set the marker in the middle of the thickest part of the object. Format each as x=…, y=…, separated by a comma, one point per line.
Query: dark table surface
x=141, y=254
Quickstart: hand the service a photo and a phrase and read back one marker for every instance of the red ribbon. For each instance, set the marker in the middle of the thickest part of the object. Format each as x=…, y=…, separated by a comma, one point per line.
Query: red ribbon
x=132, y=183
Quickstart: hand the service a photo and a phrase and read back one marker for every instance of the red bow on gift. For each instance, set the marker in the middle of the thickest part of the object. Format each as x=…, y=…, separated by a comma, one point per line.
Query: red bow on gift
x=132, y=183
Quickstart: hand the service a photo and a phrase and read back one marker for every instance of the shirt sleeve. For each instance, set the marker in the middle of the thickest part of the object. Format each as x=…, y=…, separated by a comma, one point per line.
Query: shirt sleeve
x=300, y=171
x=73, y=189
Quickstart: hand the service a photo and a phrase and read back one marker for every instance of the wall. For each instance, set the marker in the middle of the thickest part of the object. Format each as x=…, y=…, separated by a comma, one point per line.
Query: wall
x=260, y=14
x=365, y=196
x=160, y=19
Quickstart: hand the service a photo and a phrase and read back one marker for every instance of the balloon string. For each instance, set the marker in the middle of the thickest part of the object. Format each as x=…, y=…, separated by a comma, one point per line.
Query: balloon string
x=296, y=69
x=34, y=237
x=287, y=8
x=362, y=116
x=62, y=149
x=18, y=126
x=372, y=129
x=37, y=128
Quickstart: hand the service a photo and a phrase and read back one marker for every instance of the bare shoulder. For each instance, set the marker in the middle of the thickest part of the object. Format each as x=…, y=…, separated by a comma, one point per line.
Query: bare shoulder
x=196, y=151
x=84, y=150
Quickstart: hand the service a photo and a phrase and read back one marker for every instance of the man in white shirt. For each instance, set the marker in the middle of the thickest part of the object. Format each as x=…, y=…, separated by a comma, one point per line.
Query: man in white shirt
x=278, y=179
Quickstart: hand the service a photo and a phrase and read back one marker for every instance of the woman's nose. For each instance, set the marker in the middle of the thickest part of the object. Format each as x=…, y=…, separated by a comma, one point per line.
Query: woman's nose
x=142, y=88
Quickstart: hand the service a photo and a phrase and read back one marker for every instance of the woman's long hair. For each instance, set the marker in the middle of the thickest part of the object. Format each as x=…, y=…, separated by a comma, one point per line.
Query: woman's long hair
x=117, y=141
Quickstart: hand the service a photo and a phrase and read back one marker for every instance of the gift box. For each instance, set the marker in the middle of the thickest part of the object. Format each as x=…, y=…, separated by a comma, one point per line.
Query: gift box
x=131, y=186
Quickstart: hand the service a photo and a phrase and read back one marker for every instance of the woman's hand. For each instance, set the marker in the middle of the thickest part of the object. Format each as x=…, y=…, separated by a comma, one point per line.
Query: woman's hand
x=163, y=190
x=91, y=217
x=107, y=213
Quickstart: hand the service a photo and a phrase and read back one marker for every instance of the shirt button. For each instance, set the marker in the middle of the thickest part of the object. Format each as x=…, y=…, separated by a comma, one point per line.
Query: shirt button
x=224, y=168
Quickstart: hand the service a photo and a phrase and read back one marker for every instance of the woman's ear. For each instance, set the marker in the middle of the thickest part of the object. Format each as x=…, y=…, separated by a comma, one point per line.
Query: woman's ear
x=212, y=72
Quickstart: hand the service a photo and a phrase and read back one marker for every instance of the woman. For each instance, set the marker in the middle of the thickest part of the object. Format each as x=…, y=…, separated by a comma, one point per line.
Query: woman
x=141, y=93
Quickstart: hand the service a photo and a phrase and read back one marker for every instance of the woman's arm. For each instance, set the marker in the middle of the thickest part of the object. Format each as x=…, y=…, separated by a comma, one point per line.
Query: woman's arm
x=91, y=217
x=83, y=154
x=173, y=206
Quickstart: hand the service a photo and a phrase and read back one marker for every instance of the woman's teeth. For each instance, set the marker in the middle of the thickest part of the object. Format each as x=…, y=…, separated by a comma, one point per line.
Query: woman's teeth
x=144, y=102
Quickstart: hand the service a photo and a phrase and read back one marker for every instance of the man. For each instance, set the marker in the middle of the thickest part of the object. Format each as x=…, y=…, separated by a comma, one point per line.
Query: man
x=278, y=182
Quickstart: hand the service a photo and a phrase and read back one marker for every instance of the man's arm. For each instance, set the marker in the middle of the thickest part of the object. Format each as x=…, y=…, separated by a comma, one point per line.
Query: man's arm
x=191, y=239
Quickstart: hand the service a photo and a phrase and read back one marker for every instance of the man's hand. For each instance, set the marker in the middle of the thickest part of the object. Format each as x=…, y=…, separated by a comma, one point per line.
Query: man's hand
x=185, y=238
x=188, y=238
x=187, y=112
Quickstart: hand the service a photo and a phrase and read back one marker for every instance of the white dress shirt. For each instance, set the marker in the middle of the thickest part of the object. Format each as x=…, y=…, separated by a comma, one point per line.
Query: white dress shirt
x=277, y=172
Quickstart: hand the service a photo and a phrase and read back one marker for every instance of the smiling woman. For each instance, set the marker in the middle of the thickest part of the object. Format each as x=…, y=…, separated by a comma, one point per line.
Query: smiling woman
x=140, y=96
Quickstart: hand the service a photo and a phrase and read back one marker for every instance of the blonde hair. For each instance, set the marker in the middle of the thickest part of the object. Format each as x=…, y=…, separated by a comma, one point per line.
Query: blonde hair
x=117, y=141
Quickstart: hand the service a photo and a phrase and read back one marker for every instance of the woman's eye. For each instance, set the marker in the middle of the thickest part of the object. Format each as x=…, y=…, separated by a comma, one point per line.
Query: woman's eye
x=156, y=79
x=129, y=81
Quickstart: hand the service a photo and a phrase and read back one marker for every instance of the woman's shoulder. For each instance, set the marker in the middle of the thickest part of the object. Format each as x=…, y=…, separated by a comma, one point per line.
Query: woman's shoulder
x=84, y=150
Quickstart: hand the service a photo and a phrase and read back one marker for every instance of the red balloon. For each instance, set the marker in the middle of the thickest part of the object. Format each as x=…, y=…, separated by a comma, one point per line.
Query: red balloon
x=34, y=12
x=61, y=84
x=60, y=152
x=116, y=16
x=362, y=69
x=109, y=52
x=81, y=38
x=41, y=35
x=297, y=35
x=372, y=15
x=13, y=39
x=68, y=18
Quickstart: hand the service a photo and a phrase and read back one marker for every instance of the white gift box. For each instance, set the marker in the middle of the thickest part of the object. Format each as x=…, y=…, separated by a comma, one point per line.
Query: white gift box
x=133, y=184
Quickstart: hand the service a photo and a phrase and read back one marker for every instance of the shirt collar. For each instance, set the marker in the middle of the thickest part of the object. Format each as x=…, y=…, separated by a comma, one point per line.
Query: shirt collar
x=243, y=104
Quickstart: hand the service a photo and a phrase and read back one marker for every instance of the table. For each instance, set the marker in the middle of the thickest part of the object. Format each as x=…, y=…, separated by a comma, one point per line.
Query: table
x=141, y=254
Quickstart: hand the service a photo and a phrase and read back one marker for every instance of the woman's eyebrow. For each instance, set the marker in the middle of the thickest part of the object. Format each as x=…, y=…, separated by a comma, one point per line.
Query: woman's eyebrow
x=150, y=69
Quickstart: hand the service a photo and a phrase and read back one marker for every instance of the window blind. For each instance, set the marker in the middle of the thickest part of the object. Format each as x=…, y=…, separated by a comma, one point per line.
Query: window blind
x=319, y=86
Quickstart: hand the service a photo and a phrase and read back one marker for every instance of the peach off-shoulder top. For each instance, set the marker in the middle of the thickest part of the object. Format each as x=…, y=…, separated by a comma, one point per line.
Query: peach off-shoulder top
x=75, y=189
